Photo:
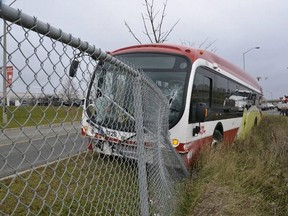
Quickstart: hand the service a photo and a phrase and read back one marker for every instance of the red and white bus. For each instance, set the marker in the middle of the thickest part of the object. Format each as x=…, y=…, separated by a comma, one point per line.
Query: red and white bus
x=204, y=91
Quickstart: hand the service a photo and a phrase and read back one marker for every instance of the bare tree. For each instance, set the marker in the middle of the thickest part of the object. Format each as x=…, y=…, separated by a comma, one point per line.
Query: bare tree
x=69, y=91
x=204, y=45
x=153, y=27
x=153, y=23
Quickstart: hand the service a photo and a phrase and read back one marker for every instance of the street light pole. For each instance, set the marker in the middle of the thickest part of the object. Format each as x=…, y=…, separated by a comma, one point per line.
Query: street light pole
x=247, y=52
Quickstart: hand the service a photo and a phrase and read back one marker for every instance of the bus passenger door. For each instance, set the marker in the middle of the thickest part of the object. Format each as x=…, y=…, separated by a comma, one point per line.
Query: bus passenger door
x=201, y=94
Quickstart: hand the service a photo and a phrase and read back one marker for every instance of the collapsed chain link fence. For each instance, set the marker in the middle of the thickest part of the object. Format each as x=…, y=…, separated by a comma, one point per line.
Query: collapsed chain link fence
x=121, y=164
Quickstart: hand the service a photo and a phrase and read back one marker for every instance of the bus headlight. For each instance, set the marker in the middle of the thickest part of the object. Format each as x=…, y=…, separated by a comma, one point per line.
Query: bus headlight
x=175, y=142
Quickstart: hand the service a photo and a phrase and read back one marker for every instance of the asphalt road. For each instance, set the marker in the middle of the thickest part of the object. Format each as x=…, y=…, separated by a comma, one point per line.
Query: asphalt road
x=26, y=148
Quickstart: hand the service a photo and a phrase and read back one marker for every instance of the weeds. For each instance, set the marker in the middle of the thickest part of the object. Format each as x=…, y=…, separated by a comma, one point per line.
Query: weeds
x=249, y=177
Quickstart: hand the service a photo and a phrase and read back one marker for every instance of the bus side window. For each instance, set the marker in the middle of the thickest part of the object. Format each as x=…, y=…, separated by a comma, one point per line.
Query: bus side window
x=220, y=92
x=253, y=98
x=201, y=93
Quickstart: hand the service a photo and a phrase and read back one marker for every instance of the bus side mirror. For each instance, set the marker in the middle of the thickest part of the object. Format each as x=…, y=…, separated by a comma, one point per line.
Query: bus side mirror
x=73, y=68
x=201, y=112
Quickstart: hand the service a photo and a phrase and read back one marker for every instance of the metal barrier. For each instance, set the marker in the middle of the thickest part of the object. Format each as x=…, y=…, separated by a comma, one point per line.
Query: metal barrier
x=122, y=164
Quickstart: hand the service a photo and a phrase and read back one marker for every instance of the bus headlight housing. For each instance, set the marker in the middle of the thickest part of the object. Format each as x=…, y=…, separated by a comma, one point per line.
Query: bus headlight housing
x=175, y=142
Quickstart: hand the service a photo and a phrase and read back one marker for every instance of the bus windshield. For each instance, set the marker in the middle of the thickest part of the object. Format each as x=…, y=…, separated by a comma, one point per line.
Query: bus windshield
x=109, y=101
x=169, y=73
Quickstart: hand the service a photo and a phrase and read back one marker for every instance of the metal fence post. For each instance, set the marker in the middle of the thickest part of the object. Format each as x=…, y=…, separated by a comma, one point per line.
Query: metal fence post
x=4, y=93
x=142, y=173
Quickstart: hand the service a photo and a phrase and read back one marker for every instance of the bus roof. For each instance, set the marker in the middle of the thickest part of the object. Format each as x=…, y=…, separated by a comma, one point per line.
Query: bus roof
x=193, y=55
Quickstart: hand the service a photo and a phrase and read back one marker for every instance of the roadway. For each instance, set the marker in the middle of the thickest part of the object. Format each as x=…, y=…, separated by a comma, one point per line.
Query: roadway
x=26, y=148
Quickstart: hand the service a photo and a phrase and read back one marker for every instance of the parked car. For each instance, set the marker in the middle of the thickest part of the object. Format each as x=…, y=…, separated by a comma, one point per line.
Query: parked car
x=270, y=106
x=264, y=106
x=75, y=103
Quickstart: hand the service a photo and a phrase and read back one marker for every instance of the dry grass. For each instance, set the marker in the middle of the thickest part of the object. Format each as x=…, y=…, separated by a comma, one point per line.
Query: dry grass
x=249, y=177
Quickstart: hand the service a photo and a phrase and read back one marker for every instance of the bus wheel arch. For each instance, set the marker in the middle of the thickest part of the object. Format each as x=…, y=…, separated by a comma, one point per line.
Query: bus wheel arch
x=218, y=135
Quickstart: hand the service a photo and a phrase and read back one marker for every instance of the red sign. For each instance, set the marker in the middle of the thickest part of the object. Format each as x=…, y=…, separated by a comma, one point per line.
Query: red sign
x=9, y=76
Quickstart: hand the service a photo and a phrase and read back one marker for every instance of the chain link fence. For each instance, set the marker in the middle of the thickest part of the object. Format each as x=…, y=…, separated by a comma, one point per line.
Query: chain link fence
x=82, y=133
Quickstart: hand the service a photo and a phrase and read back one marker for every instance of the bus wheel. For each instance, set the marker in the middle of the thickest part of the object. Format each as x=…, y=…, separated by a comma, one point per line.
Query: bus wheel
x=216, y=138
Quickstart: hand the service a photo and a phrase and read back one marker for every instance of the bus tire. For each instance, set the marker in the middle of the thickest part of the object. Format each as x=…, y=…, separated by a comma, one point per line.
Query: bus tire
x=217, y=137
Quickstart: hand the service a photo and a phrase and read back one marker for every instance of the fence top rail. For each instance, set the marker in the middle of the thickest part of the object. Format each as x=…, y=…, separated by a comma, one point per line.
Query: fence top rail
x=18, y=17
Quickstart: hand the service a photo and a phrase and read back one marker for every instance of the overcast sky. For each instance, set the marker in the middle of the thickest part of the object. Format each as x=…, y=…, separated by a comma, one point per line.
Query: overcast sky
x=236, y=25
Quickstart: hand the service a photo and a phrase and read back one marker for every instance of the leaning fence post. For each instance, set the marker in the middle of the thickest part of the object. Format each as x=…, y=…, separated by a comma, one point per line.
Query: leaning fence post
x=142, y=174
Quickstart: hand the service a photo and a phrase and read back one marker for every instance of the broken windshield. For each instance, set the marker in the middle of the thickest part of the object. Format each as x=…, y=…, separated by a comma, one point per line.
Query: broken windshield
x=169, y=73
x=109, y=101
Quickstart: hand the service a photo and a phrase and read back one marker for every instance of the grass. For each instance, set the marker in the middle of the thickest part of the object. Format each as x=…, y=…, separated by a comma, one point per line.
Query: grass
x=24, y=116
x=249, y=177
x=86, y=184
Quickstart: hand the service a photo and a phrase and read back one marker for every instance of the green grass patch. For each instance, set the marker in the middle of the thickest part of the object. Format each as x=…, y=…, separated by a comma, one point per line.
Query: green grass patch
x=86, y=184
x=23, y=116
x=249, y=177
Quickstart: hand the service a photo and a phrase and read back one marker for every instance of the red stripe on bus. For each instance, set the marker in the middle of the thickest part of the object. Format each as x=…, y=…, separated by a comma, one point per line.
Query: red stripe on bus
x=190, y=151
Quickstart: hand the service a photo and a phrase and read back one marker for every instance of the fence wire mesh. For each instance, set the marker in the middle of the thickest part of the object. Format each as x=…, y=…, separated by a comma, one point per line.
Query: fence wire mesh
x=91, y=143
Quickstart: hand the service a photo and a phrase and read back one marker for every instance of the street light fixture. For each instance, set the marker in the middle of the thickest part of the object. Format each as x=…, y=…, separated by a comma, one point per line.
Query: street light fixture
x=247, y=52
